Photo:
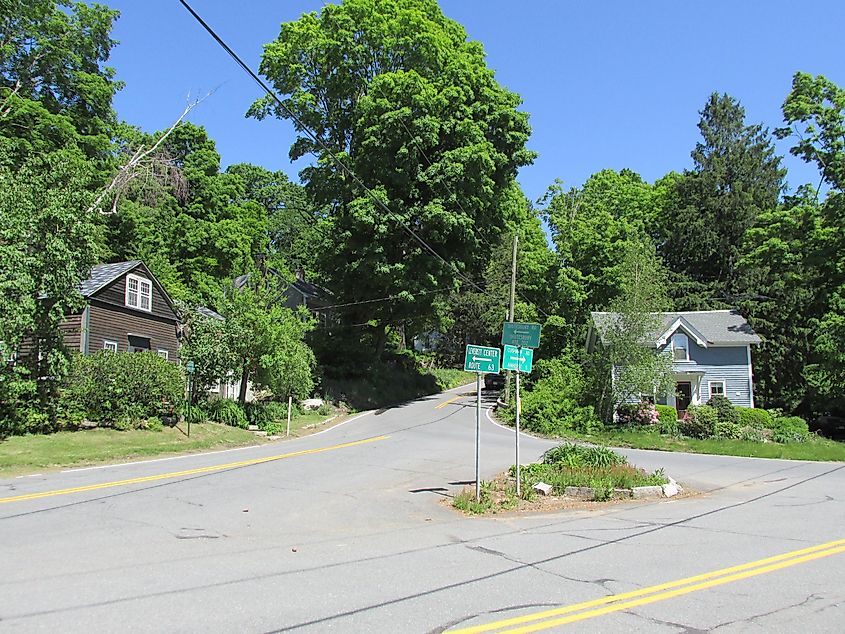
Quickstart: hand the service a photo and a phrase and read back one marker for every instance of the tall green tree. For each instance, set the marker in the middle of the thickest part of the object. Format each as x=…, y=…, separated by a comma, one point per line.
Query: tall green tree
x=54, y=87
x=814, y=114
x=736, y=176
x=591, y=227
x=265, y=342
x=398, y=93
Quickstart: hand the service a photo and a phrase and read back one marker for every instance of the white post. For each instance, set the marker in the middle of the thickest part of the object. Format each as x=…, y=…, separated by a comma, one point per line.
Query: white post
x=290, y=403
x=478, y=437
x=518, y=411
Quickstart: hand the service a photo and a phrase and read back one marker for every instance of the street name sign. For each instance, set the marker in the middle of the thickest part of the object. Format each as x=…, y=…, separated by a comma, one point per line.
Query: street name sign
x=521, y=335
x=189, y=366
x=519, y=359
x=482, y=359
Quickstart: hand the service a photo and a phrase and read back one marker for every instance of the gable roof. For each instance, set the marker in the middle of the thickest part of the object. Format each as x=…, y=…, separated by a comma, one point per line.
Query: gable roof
x=104, y=274
x=205, y=311
x=707, y=327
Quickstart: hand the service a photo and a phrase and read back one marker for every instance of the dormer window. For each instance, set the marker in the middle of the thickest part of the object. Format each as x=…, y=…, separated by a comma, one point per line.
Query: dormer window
x=139, y=293
x=680, y=347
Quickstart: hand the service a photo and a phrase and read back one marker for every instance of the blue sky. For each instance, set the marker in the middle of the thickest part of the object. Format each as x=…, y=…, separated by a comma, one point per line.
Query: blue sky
x=608, y=84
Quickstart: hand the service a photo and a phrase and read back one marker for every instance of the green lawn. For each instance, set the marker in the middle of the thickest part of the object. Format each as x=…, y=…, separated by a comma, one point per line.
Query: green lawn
x=33, y=453
x=814, y=449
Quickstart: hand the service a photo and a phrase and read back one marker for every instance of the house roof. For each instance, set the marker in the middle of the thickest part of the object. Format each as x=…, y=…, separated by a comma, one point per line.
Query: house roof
x=104, y=274
x=306, y=289
x=708, y=327
x=211, y=314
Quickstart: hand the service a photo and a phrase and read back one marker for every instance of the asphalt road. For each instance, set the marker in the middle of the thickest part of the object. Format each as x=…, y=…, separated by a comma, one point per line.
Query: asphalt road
x=347, y=531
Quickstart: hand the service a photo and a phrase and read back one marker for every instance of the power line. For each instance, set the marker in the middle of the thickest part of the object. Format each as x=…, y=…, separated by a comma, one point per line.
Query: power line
x=384, y=299
x=316, y=139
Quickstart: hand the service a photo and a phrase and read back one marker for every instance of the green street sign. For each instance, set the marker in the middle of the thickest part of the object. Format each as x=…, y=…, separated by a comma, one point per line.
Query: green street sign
x=189, y=366
x=519, y=359
x=482, y=359
x=525, y=335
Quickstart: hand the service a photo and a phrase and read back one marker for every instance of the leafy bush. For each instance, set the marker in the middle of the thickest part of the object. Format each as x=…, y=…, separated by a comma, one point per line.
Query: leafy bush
x=728, y=430
x=752, y=434
x=725, y=410
x=325, y=410
x=276, y=428
x=603, y=479
x=572, y=455
x=154, y=424
x=753, y=417
x=227, y=412
x=553, y=405
x=123, y=388
x=668, y=427
x=636, y=415
x=699, y=421
x=258, y=414
x=790, y=429
x=666, y=414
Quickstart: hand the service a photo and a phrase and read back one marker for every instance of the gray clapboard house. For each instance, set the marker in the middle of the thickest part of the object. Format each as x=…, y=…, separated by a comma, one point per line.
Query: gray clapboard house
x=711, y=354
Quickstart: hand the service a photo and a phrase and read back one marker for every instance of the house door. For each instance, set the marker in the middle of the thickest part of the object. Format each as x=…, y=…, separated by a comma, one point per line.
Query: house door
x=683, y=396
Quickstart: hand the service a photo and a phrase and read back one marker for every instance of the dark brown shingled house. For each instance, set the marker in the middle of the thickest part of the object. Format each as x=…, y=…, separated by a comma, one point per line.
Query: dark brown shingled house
x=127, y=311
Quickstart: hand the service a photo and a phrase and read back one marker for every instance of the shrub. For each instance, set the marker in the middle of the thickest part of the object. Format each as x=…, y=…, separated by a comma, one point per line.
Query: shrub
x=752, y=434
x=636, y=415
x=666, y=414
x=699, y=421
x=279, y=411
x=790, y=429
x=227, y=412
x=258, y=414
x=325, y=409
x=276, y=429
x=725, y=410
x=728, y=430
x=154, y=424
x=553, y=405
x=572, y=455
x=669, y=427
x=753, y=417
x=123, y=387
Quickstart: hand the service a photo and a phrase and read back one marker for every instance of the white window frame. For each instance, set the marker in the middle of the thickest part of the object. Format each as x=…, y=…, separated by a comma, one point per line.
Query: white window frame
x=164, y=354
x=684, y=348
x=724, y=388
x=110, y=345
x=139, y=294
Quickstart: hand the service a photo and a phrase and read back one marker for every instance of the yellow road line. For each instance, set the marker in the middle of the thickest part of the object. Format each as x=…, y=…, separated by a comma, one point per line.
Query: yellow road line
x=188, y=472
x=618, y=601
x=451, y=400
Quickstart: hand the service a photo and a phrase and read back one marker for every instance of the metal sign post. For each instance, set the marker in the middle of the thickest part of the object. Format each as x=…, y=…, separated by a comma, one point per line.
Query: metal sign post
x=478, y=437
x=189, y=366
x=518, y=412
x=480, y=359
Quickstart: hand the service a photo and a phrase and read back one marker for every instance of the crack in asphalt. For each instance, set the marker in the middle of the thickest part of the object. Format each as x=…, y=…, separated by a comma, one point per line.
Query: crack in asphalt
x=751, y=619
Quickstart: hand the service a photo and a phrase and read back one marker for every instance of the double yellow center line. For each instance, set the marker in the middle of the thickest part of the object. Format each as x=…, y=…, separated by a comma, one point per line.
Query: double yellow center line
x=446, y=402
x=187, y=472
x=627, y=600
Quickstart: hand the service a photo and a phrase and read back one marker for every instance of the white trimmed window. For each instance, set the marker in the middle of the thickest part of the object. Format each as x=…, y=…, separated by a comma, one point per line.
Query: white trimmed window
x=139, y=292
x=162, y=353
x=680, y=347
x=111, y=346
x=717, y=388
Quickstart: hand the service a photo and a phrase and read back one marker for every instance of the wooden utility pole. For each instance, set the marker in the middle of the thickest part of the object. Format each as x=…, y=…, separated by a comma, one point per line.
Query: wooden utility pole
x=511, y=310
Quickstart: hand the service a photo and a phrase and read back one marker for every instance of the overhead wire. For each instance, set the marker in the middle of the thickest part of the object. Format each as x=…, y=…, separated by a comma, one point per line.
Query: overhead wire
x=331, y=154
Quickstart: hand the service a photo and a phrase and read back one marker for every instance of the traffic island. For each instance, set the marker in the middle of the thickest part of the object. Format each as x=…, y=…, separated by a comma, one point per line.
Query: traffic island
x=569, y=476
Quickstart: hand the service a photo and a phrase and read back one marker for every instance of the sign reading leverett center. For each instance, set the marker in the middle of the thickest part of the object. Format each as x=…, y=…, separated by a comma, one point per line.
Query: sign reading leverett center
x=482, y=359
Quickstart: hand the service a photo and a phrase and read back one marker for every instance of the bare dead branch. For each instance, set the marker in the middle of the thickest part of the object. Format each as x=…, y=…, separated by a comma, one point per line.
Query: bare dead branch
x=151, y=163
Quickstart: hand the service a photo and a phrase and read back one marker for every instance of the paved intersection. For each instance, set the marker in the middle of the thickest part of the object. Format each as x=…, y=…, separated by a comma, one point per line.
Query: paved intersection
x=347, y=531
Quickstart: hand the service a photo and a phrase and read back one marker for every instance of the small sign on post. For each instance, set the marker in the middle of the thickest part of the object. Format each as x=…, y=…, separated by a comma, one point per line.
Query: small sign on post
x=482, y=359
x=521, y=335
x=519, y=359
